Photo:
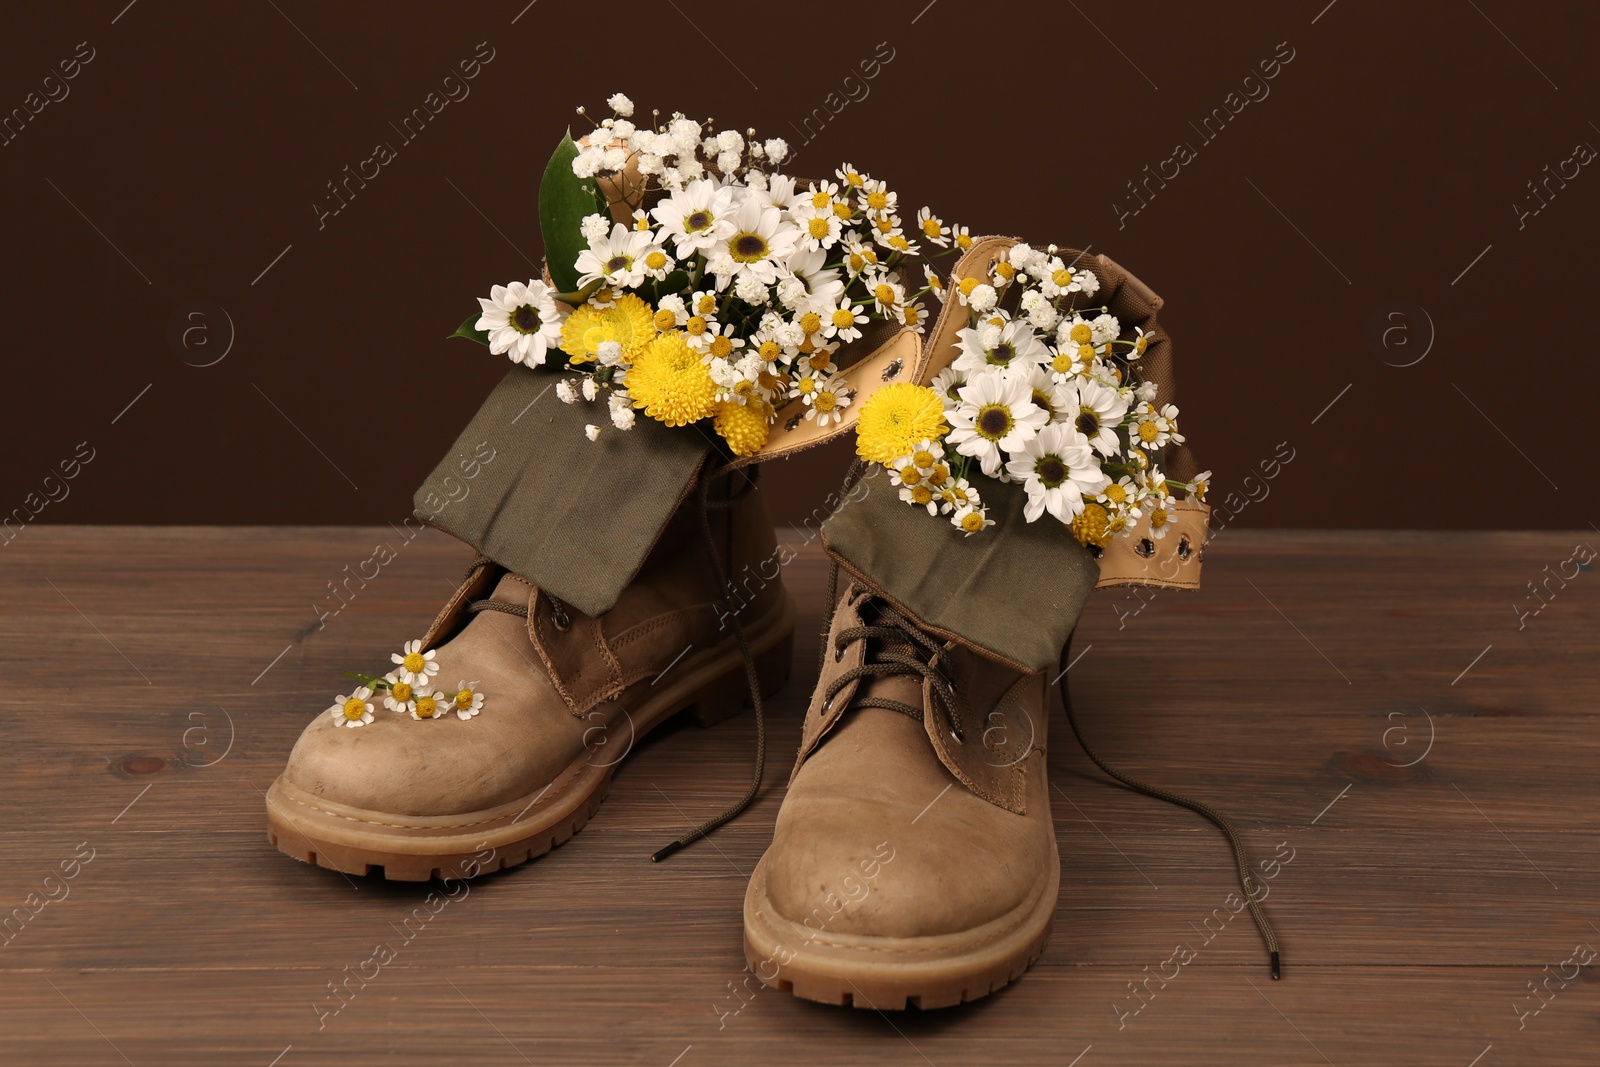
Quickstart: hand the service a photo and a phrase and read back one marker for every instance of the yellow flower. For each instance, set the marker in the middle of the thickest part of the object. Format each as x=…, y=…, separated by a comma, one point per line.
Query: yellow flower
x=743, y=426
x=628, y=322
x=895, y=419
x=1089, y=526
x=670, y=383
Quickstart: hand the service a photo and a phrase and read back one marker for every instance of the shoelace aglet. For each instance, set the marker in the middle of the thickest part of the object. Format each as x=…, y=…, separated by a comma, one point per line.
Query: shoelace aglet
x=676, y=845
x=1277, y=969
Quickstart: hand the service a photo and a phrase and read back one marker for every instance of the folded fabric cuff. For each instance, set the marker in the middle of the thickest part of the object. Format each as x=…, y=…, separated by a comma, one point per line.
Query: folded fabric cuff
x=525, y=486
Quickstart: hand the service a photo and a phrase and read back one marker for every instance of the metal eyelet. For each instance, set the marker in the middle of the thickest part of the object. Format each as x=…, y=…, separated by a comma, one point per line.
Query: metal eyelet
x=892, y=370
x=792, y=423
x=1184, y=548
x=559, y=616
x=838, y=652
x=1145, y=547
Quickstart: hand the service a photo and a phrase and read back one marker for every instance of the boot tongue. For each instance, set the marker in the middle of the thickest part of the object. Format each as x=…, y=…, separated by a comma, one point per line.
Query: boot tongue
x=905, y=688
x=512, y=590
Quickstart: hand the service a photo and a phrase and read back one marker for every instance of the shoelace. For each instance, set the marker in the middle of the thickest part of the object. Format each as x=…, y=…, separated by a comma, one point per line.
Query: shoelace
x=1242, y=860
x=725, y=583
x=891, y=630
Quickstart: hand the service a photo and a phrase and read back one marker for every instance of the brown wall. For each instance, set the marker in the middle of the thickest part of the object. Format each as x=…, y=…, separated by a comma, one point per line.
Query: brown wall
x=173, y=186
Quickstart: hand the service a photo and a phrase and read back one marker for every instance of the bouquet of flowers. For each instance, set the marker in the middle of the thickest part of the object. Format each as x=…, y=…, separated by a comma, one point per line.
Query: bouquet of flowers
x=690, y=280
x=1045, y=392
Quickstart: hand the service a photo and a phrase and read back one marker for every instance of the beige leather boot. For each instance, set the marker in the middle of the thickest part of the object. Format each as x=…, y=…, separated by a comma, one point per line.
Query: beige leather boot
x=914, y=859
x=568, y=695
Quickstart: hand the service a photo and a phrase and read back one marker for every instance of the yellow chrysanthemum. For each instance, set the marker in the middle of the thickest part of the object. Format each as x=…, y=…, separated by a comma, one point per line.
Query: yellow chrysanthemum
x=895, y=418
x=629, y=322
x=1089, y=526
x=743, y=426
x=670, y=383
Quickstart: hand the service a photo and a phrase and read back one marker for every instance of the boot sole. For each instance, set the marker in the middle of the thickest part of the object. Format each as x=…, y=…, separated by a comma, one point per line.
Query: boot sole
x=411, y=848
x=895, y=973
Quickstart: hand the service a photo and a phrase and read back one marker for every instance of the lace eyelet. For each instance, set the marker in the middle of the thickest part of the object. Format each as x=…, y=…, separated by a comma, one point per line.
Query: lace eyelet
x=838, y=652
x=559, y=616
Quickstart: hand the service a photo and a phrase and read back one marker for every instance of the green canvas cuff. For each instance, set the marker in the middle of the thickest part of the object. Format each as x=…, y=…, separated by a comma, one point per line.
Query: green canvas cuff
x=1015, y=590
x=525, y=487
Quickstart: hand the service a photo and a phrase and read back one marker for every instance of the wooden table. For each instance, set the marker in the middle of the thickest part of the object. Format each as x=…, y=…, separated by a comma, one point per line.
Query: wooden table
x=1369, y=705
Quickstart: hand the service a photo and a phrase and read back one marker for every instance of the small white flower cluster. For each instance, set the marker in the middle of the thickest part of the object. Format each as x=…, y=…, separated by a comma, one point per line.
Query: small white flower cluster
x=761, y=276
x=407, y=690
x=926, y=480
x=1046, y=392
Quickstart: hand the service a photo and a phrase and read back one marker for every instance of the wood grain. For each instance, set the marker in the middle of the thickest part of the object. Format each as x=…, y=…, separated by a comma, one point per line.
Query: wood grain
x=1370, y=701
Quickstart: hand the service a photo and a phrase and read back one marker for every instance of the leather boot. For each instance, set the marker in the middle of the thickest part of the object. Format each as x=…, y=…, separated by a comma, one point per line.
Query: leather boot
x=568, y=694
x=914, y=858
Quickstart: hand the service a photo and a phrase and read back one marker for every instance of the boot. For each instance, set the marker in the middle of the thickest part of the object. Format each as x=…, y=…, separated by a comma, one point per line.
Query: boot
x=571, y=671
x=914, y=861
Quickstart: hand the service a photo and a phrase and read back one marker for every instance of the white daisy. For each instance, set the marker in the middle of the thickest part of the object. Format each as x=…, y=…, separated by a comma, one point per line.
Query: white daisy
x=826, y=403
x=1095, y=410
x=1056, y=468
x=399, y=696
x=1013, y=345
x=467, y=701
x=946, y=382
x=996, y=412
x=696, y=217
x=818, y=229
x=522, y=321
x=620, y=259
x=760, y=244
x=352, y=710
x=416, y=666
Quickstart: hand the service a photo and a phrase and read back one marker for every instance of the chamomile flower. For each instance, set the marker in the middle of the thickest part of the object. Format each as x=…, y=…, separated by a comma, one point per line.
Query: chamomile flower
x=970, y=520
x=826, y=403
x=1057, y=469
x=416, y=666
x=888, y=296
x=935, y=282
x=844, y=321
x=850, y=176
x=1160, y=522
x=1141, y=342
x=960, y=237
x=619, y=259
x=1200, y=485
x=468, y=701
x=920, y=496
x=522, y=321
x=721, y=342
x=933, y=228
x=1151, y=429
x=697, y=217
x=430, y=705
x=995, y=414
x=352, y=710
x=400, y=696
x=818, y=230
x=878, y=200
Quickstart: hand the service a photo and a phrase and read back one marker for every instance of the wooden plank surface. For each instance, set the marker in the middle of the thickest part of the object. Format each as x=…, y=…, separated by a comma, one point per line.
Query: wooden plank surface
x=1374, y=702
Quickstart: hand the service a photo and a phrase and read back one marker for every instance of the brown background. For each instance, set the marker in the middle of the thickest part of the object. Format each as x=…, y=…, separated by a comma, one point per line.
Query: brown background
x=1384, y=163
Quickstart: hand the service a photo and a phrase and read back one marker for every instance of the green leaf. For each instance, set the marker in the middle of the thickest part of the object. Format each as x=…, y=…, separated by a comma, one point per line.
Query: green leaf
x=578, y=296
x=564, y=200
x=471, y=332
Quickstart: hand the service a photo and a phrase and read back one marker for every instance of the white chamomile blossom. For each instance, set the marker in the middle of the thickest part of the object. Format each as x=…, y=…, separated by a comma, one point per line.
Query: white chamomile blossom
x=1013, y=345
x=1200, y=485
x=352, y=710
x=1122, y=497
x=620, y=259
x=1057, y=469
x=850, y=176
x=1095, y=410
x=970, y=520
x=1153, y=428
x=760, y=244
x=1141, y=342
x=935, y=282
x=429, y=705
x=933, y=228
x=960, y=237
x=400, y=696
x=844, y=321
x=468, y=701
x=826, y=403
x=920, y=496
x=416, y=666
x=696, y=217
x=818, y=229
x=888, y=296
x=522, y=321
x=996, y=413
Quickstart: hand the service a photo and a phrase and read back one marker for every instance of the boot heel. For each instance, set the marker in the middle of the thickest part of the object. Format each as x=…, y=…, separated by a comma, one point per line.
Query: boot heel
x=730, y=694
